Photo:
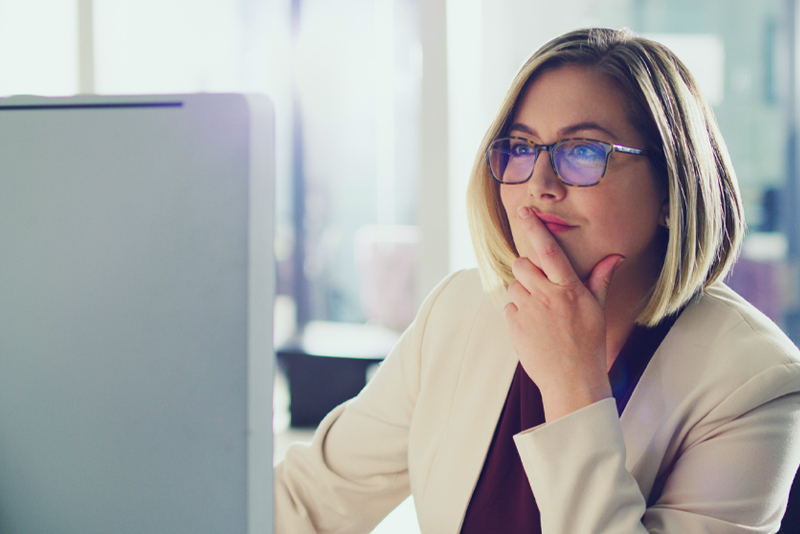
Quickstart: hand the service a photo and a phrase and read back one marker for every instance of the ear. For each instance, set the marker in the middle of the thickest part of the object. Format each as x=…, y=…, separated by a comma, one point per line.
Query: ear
x=663, y=217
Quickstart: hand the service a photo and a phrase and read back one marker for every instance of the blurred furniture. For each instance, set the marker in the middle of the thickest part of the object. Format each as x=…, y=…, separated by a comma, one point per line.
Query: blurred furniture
x=387, y=260
x=326, y=363
x=761, y=274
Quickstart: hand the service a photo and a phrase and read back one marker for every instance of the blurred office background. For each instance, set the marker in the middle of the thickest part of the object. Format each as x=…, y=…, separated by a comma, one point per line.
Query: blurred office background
x=380, y=107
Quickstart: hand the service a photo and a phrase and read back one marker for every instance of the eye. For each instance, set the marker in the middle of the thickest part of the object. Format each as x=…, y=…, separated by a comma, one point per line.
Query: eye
x=519, y=149
x=583, y=153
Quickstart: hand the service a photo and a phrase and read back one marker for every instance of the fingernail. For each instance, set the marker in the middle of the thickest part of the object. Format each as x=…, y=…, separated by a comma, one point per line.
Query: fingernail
x=524, y=212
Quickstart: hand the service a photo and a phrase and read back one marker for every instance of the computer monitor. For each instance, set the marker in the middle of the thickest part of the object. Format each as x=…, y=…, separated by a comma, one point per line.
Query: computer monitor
x=136, y=291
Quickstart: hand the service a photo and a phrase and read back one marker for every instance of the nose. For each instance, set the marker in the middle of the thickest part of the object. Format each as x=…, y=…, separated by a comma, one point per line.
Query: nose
x=544, y=183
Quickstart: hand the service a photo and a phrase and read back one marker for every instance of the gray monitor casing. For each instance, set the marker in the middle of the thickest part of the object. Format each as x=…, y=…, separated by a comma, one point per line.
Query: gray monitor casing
x=136, y=290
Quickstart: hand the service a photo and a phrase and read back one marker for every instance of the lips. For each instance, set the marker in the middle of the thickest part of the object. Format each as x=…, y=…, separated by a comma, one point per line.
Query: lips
x=553, y=223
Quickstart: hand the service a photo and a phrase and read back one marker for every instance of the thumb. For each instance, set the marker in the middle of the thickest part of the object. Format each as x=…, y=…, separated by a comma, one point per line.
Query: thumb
x=600, y=279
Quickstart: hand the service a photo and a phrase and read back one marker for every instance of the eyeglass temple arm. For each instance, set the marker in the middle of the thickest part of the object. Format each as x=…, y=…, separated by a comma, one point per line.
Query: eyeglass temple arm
x=628, y=150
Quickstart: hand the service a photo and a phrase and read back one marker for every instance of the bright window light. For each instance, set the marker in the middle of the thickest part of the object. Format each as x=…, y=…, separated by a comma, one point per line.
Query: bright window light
x=166, y=46
x=38, y=47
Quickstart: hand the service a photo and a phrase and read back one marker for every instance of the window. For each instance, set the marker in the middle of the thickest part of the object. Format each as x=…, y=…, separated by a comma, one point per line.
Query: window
x=346, y=76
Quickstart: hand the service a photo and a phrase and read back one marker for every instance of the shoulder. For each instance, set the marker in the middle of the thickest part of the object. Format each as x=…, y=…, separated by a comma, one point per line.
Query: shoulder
x=459, y=317
x=720, y=317
x=456, y=302
x=465, y=283
x=723, y=352
x=461, y=293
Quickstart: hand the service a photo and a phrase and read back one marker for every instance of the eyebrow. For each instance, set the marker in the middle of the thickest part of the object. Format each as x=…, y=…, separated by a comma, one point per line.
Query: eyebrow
x=581, y=126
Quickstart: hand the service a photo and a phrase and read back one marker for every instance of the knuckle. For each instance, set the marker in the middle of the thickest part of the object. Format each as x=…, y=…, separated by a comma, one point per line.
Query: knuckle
x=550, y=251
x=509, y=312
x=519, y=265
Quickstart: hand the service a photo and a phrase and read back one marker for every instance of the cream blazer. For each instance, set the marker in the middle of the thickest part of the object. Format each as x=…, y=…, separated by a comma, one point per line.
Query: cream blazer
x=709, y=441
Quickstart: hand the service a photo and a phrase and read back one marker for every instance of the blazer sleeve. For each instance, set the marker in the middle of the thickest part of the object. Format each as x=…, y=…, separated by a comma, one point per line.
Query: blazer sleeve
x=733, y=476
x=355, y=470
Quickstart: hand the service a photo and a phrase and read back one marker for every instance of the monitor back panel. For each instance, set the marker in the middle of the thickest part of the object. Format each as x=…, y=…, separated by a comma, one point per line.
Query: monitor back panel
x=135, y=315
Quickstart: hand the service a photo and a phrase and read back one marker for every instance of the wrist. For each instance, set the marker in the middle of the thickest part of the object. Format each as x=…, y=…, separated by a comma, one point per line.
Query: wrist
x=559, y=401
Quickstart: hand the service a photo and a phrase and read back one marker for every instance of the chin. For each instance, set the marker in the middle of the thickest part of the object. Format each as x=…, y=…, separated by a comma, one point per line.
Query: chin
x=582, y=266
x=583, y=274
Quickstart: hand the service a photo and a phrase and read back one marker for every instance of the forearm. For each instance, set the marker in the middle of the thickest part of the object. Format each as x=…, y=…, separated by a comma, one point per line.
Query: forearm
x=576, y=468
x=333, y=486
x=733, y=476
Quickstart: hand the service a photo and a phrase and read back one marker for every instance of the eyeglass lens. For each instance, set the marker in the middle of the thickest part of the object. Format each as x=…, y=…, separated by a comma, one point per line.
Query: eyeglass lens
x=577, y=161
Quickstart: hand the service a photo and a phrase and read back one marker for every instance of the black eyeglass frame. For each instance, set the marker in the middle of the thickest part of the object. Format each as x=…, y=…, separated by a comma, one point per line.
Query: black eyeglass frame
x=550, y=149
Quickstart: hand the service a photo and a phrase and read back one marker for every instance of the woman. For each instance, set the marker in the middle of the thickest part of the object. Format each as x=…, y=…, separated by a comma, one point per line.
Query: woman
x=600, y=377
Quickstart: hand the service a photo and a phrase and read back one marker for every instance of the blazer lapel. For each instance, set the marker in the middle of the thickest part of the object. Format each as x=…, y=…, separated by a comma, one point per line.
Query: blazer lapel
x=489, y=363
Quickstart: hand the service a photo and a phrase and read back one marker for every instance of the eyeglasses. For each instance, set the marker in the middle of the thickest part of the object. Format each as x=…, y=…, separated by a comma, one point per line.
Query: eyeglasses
x=576, y=162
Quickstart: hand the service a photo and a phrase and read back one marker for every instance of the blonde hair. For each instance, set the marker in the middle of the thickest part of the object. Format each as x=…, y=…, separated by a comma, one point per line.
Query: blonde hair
x=686, y=152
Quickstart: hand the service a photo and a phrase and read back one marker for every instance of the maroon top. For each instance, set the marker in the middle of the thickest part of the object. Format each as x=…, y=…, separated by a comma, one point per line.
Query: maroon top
x=502, y=500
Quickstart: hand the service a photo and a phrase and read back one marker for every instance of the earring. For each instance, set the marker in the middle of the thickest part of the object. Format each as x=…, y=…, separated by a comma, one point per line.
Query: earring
x=666, y=221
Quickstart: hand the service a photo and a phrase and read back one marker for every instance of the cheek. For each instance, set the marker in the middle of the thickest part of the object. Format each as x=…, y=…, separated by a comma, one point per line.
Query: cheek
x=631, y=226
x=512, y=200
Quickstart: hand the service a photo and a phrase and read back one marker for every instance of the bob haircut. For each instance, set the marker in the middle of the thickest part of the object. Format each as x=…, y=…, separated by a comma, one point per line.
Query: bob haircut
x=685, y=149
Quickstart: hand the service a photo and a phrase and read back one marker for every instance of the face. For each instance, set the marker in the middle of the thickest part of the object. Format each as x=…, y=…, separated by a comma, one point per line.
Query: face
x=619, y=215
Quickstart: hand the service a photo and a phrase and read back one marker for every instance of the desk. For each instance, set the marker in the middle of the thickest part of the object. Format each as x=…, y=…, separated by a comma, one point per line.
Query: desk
x=327, y=363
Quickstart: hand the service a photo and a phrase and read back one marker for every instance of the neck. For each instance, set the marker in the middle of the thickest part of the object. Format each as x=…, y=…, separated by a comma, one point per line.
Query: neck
x=626, y=299
x=618, y=327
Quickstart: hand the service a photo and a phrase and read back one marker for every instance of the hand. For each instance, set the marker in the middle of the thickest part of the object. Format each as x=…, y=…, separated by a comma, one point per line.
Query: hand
x=557, y=323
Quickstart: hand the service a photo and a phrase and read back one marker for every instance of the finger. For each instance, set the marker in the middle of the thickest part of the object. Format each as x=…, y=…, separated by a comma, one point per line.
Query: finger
x=509, y=312
x=554, y=263
x=517, y=291
x=527, y=273
x=600, y=278
x=518, y=288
